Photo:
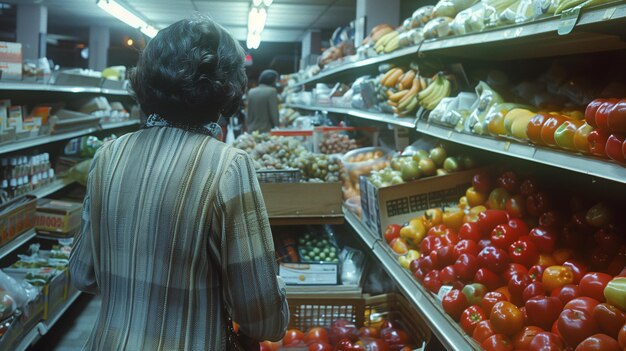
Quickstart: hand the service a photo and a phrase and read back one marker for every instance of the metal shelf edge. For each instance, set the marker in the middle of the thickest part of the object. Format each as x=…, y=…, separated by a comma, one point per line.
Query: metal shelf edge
x=45, y=326
x=7, y=85
x=379, y=117
x=555, y=158
x=52, y=188
x=17, y=242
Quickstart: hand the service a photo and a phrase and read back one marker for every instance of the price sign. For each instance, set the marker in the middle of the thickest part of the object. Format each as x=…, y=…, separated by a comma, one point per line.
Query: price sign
x=608, y=14
x=569, y=19
x=507, y=145
x=443, y=291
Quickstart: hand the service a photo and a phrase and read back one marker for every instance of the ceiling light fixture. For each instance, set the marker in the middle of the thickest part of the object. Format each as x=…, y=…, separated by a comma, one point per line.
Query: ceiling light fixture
x=256, y=22
x=267, y=2
x=123, y=14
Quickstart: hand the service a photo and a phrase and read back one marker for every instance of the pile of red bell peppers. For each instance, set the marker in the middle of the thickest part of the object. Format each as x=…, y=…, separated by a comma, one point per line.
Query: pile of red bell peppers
x=608, y=118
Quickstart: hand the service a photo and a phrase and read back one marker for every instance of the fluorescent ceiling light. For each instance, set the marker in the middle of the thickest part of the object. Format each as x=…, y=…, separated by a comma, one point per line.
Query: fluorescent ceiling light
x=123, y=14
x=256, y=2
x=267, y=2
x=253, y=41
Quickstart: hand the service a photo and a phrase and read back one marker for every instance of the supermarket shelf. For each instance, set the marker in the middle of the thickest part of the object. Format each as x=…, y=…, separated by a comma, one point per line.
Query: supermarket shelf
x=514, y=41
x=373, y=116
x=450, y=335
x=19, y=86
x=17, y=242
x=32, y=142
x=52, y=188
x=44, y=327
x=582, y=164
x=367, y=235
x=303, y=220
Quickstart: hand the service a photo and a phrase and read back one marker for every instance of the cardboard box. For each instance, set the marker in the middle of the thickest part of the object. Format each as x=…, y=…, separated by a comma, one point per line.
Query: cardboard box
x=16, y=217
x=11, y=60
x=309, y=273
x=400, y=203
x=57, y=217
x=302, y=199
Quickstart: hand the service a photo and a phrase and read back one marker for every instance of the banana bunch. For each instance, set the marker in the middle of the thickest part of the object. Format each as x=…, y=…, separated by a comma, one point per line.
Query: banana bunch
x=388, y=42
x=438, y=89
x=402, y=94
x=563, y=5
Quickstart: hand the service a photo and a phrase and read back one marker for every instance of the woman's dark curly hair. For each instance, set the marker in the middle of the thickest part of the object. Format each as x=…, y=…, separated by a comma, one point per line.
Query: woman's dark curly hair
x=190, y=73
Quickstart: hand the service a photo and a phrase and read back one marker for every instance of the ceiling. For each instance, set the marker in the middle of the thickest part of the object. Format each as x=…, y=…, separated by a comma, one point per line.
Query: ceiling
x=287, y=20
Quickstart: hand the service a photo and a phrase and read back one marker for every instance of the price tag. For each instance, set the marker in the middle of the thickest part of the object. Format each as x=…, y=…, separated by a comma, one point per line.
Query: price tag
x=506, y=34
x=427, y=126
x=507, y=145
x=443, y=291
x=608, y=14
x=519, y=31
x=450, y=134
x=569, y=19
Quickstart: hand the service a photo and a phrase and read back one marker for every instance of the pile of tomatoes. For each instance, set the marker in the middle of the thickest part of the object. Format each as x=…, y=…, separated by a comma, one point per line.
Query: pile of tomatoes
x=343, y=335
x=520, y=272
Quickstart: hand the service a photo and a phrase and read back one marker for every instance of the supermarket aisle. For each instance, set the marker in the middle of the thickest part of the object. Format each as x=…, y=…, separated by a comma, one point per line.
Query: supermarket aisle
x=71, y=331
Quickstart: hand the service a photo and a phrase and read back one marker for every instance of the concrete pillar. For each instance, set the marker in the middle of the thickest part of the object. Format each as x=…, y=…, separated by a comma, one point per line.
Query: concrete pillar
x=32, y=28
x=377, y=12
x=311, y=47
x=99, y=40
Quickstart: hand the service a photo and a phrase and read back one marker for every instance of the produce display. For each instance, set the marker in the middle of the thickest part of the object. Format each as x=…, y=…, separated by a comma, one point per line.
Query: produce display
x=308, y=247
x=420, y=163
x=343, y=335
x=519, y=268
x=336, y=143
x=277, y=152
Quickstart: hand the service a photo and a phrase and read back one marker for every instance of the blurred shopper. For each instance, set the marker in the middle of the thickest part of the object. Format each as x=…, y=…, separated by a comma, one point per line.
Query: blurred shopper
x=263, y=103
x=175, y=233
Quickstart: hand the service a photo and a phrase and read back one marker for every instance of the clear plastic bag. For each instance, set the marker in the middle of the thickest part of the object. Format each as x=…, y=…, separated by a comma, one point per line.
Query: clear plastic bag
x=438, y=27
x=487, y=97
x=422, y=15
x=20, y=293
x=445, y=8
x=352, y=265
x=469, y=21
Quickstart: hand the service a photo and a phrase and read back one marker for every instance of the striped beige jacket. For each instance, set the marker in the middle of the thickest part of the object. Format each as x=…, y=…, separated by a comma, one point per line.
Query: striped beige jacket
x=174, y=227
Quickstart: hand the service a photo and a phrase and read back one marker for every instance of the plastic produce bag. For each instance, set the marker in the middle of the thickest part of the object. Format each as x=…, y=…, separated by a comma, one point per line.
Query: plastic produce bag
x=352, y=266
x=422, y=15
x=494, y=121
x=528, y=10
x=493, y=10
x=445, y=8
x=15, y=294
x=80, y=172
x=459, y=109
x=469, y=21
x=438, y=27
x=487, y=97
x=436, y=115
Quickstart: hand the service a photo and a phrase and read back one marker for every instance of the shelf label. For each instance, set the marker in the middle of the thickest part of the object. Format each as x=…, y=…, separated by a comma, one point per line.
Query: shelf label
x=443, y=291
x=608, y=14
x=569, y=19
x=507, y=145
x=518, y=32
x=506, y=34
x=450, y=134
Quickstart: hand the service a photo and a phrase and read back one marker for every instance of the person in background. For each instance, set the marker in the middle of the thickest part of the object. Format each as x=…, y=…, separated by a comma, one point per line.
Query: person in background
x=175, y=234
x=263, y=104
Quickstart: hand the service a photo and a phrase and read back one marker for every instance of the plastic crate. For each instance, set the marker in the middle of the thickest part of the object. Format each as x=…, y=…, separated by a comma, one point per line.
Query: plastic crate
x=307, y=312
x=291, y=175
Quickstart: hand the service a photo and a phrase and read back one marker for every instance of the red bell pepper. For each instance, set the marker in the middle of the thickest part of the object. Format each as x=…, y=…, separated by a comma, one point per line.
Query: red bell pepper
x=590, y=111
x=614, y=147
x=597, y=142
x=602, y=114
x=616, y=121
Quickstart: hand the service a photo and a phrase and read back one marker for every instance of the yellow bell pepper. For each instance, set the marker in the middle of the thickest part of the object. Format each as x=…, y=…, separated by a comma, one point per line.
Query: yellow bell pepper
x=453, y=218
x=432, y=217
x=414, y=232
x=405, y=260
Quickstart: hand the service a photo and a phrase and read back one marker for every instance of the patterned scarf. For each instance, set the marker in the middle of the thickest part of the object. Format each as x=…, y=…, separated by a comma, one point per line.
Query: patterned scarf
x=212, y=129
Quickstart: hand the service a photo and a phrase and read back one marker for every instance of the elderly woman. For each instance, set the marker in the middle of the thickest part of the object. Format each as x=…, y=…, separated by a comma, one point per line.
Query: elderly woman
x=175, y=233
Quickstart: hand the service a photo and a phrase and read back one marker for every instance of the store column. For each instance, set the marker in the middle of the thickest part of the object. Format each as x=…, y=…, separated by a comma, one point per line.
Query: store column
x=32, y=28
x=99, y=40
x=311, y=47
x=377, y=12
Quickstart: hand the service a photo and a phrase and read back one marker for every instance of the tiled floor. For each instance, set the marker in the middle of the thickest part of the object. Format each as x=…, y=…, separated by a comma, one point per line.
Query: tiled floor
x=71, y=331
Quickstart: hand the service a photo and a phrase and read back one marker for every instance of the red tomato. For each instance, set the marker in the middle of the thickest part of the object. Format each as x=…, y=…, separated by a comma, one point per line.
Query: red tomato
x=489, y=219
x=513, y=269
x=593, y=284
x=545, y=239
x=523, y=252
x=393, y=336
x=502, y=236
x=369, y=332
x=567, y=293
x=342, y=329
x=546, y=341
x=466, y=266
x=609, y=318
x=522, y=340
x=621, y=337
x=536, y=272
x=454, y=303
x=575, y=326
x=373, y=344
x=470, y=317
x=270, y=346
x=470, y=231
x=320, y=346
x=498, y=342
x=506, y=318
x=482, y=331
x=293, y=337
x=316, y=334
x=533, y=289
x=488, y=278
x=543, y=311
x=493, y=258
x=599, y=342
x=466, y=246
x=490, y=299
x=447, y=275
x=582, y=303
x=579, y=269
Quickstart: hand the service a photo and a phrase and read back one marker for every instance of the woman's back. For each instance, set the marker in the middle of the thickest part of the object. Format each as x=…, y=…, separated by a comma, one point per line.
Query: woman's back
x=171, y=212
